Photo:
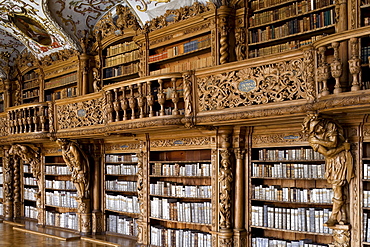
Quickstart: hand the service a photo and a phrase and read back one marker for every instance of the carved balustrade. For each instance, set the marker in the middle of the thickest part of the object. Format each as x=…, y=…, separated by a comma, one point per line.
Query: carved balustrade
x=28, y=119
x=145, y=97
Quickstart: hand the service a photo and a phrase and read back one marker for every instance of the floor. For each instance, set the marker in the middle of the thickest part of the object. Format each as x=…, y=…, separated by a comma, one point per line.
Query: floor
x=14, y=238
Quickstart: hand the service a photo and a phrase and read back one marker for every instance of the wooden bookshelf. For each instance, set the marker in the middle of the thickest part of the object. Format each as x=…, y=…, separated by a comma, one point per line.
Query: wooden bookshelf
x=289, y=194
x=30, y=87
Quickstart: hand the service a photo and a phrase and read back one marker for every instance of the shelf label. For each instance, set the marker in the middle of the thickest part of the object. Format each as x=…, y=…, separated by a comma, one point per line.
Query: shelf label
x=178, y=142
x=247, y=85
x=291, y=137
x=81, y=113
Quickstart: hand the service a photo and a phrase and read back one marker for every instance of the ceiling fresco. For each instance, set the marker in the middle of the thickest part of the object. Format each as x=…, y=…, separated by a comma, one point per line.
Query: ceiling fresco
x=43, y=27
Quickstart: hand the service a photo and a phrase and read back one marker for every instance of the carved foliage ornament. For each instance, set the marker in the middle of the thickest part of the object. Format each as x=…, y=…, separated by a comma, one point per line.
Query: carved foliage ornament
x=279, y=138
x=173, y=16
x=80, y=114
x=198, y=141
x=283, y=81
x=3, y=126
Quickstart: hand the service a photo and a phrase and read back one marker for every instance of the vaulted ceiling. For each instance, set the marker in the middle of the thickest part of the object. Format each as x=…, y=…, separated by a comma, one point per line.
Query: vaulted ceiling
x=43, y=27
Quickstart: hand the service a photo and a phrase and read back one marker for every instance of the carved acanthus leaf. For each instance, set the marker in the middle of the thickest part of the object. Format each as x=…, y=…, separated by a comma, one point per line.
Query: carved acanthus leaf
x=198, y=141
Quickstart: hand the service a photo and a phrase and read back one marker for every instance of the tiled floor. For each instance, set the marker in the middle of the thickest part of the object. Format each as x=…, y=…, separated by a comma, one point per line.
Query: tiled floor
x=12, y=238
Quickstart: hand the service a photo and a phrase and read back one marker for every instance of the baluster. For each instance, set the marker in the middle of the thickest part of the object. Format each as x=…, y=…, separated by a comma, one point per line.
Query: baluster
x=336, y=68
x=150, y=98
x=124, y=103
x=35, y=119
x=29, y=120
x=10, y=118
x=116, y=104
x=354, y=64
x=109, y=106
x=140, y=101
x=42, y=118
x=323, y=72
x=20, y=122
x=132, y=102
x=24, y=120
x=175, y=97
x=161, y=97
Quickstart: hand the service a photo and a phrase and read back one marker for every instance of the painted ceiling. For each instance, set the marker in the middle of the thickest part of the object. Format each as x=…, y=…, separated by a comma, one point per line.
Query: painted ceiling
x=43, y=27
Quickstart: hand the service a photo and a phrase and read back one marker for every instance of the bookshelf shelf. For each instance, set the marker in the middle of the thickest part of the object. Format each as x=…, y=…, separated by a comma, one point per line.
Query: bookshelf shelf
x=182, y=56
x=295, y=203
x=297, y=232
x=183, y=197
x=181, y=222
x=291, y=17
x=272, y=6
x=132, y=215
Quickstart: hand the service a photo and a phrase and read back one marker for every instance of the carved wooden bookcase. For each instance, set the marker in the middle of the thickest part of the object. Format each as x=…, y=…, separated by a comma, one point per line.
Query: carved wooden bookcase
x=365, y=187
x=60, y=193
x=178, y=42
x=30, y=189
x=120, y=199
x=30, y=86
x=62, y=79
x=2, y=101
x=181, y=192
x=290, y=199
x=285, y=25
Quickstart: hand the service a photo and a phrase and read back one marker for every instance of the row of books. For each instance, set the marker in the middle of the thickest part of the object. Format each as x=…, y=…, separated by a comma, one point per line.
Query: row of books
x=290, y=45
x=366, y=225
x=122, y=225
x=309, y=23
x=26, y=168
x=61, y=81
x=62, y=94
x=180, y=190
x=1, y=179
x=171, y=209
x=31, y=93
x=365, y=53
x=289, y=154
x=294, y=219
x=65, y=220
x=30, y=194
x=129, y=204
x=312, y=4
x=121, y=158
x=30, y=76
x=31, y=84
x=276, y=193
x=295, y=8
x=122, y=58
x=57, y=170
x=189, y=170
x=366, y=21
x=1, y=192
x=270, y=242
x=182, y=48
x=284, y=170
x=121, y=48
x=166, y=237
x=59, y=185
x=1, y=209
x=121, y=169
x=184, y=66
x=121, y=185
x=121, y=70
x=30, y=212
x=30, y=181
x=61, y=199
x=366, y=198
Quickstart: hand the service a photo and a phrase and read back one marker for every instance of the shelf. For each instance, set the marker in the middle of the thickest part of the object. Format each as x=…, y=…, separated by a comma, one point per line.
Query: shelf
x=121, y=77
x=64, y=209
x=132, y=215
x=183, y=56
x=287, y=161
x=295, y=35
x=181, y=162
x=288, y=178
x=290, y=202
x=177, y=197
x=116, y=234
x=61, y=189
x=298, y=232
x=29, y=185
x=129, y=62
x=55, y=164
x=123, y=162
x=291, y=17
x=29, y=88
x=61, y=85
x=125, y=192
x=180, y=222
x=160, y=176
x=29, y=200
x=273, y=6
x=121, y=175
x=58, y=175
x=365, y=6
x=121, y=53
x=32, y=97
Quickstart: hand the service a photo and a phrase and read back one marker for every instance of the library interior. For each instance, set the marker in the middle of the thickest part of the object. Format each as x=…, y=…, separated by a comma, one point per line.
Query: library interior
x=185, y=123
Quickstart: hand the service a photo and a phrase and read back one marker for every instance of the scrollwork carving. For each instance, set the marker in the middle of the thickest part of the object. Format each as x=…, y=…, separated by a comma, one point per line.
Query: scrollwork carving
x=225, y=180
x=198, y=141
x=278, y=82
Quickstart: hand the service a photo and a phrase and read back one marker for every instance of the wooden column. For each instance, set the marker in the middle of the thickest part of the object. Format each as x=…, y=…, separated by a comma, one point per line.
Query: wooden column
x=97, y=214
x=17, y=203
x=225, y=178
x=342, y=25
x=239, y=206
x=224, y=29
x=84, y=60
x=8, y=182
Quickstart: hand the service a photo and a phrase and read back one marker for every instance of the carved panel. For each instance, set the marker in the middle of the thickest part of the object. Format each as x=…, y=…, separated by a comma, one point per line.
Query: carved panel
x=3, y=126
x=198, y=141
x=278, y=82
x=80, y=114
x=279, y=138
x=125, y=146
x=225, y=179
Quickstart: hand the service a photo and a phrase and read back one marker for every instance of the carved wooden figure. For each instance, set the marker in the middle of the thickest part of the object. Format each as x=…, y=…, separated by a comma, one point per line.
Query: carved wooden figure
x=326, y=137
